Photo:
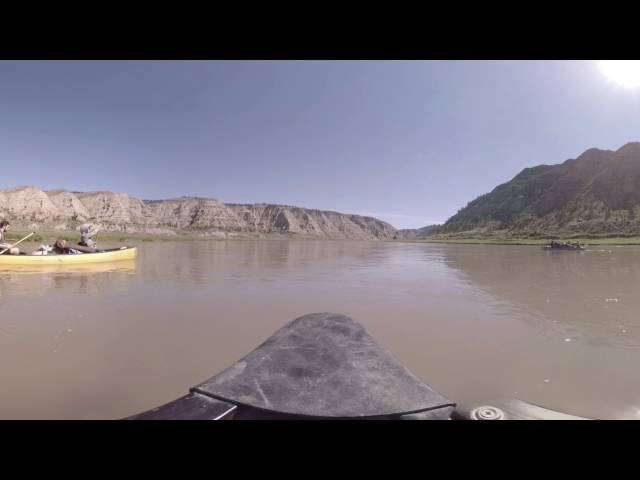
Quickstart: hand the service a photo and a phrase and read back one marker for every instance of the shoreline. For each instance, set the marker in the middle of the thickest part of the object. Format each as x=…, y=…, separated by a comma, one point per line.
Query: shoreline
x=615, y=241
x=48, y=236
x=110, y=237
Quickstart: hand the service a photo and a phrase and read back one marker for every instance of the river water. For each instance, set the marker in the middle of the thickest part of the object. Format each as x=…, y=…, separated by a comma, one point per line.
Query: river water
x=476, y=322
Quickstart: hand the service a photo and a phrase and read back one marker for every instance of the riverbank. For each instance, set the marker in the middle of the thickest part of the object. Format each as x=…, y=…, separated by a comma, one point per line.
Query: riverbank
x=524, y=241
x=49, y=237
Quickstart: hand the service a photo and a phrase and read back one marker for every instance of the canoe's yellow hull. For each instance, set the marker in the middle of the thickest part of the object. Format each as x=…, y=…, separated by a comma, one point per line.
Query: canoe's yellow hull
x=126, y=253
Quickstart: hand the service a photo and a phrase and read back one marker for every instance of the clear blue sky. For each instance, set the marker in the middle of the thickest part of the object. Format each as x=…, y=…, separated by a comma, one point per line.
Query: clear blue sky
x=410, y=142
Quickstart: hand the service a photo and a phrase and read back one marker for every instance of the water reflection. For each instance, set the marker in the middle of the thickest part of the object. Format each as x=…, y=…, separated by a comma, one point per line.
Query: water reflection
x=91, y=279
x=206, y=263
x=589, y=296
x=119, y=266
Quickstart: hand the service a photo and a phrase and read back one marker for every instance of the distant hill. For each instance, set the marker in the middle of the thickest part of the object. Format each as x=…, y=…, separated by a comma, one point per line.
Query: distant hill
x=411, y=233
x=596, y=194
x=31, y=208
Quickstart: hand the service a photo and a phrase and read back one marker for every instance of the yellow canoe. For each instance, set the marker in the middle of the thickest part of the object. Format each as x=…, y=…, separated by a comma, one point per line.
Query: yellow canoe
x=112, y=255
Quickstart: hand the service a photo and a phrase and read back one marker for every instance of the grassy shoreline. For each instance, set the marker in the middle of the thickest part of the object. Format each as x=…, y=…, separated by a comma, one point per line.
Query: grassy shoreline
x=524, y=241
x=112, y=237
x=49, y=237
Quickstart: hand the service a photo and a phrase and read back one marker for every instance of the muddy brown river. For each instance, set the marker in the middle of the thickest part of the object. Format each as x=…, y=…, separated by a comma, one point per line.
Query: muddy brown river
x=476, y=322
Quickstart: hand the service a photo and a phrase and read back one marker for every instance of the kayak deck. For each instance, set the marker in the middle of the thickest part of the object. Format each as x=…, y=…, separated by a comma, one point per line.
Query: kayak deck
x=111, y=255
x=318, y=366
x=327, y=366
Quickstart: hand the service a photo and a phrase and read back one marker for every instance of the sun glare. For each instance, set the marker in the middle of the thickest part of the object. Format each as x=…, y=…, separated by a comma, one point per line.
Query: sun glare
x=623, y=72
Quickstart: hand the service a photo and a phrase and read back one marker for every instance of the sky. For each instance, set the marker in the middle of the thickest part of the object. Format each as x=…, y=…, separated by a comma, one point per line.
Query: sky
x=409, y=142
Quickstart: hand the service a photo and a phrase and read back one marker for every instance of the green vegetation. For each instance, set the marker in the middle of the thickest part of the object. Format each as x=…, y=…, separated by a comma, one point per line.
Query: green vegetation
x=525, y=241
x=50, y=237
x=596, y=195
x=119, y=237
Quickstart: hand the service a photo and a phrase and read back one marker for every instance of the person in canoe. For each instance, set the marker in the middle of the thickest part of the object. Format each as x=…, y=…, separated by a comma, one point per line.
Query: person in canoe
x=4, y=226
x=63, y=247
x=87, y=232
x=85, y=245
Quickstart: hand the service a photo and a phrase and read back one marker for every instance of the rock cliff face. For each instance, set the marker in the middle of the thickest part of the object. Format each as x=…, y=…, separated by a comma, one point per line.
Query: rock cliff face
x=28, y=206
x=280, y=218
x=67, y=203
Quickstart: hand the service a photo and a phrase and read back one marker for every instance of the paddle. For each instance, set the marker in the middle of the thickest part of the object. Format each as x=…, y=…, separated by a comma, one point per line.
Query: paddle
x=32, y=233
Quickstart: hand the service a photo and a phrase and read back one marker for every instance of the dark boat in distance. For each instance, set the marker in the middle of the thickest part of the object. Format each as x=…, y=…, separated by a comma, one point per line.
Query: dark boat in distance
x=553, y=245
x=324, y=366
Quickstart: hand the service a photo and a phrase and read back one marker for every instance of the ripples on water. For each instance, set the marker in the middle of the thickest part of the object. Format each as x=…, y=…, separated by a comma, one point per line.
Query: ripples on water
x=475, y=321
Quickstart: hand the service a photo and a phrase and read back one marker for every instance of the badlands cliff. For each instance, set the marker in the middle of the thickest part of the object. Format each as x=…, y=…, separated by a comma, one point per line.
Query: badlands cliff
x=31, y=208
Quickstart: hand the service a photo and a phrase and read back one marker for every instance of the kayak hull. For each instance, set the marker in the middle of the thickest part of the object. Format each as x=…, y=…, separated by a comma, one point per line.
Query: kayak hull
x=125, y=253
